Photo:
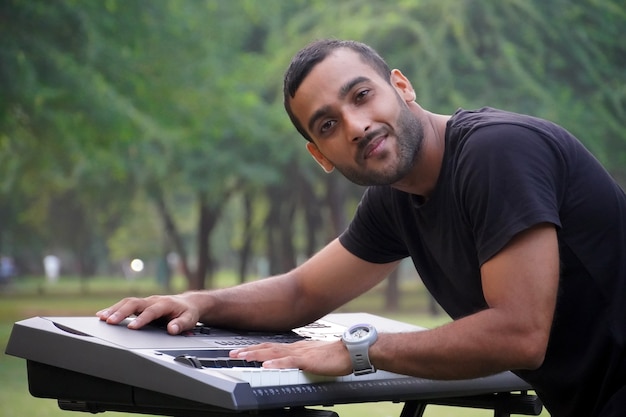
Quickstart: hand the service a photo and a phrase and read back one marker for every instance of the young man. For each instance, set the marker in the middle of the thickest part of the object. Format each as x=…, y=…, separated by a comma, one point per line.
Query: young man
x=514, y=227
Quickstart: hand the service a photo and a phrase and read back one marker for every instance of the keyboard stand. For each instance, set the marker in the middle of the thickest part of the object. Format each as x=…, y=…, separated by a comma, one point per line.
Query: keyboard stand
x=503, y=404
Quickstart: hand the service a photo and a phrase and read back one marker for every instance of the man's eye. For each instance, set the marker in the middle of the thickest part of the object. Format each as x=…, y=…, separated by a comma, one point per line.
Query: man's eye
x=362, y=94
x=326, y=126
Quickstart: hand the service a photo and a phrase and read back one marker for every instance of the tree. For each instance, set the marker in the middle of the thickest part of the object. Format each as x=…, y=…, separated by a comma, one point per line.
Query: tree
x=108, y=105
x=57, y=123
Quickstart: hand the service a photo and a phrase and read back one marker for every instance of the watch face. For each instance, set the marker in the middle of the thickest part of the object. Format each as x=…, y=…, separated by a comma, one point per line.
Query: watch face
x=357, y=333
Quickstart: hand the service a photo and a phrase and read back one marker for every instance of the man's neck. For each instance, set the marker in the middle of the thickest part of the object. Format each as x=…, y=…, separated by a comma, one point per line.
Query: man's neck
x=422, y=179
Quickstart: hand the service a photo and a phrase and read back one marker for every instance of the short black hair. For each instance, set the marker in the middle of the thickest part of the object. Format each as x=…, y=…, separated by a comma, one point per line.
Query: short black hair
x=314, y=53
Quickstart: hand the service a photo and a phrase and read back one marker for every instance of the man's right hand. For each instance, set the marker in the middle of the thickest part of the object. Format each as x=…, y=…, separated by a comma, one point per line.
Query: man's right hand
x=179, y=310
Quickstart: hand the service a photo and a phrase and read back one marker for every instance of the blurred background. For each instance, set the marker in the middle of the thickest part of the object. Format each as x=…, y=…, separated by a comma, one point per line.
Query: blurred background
x=144, y=146
x=154, y=130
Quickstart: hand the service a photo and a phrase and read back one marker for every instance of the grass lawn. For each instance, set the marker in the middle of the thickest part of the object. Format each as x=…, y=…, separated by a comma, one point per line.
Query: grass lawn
x=30, y=297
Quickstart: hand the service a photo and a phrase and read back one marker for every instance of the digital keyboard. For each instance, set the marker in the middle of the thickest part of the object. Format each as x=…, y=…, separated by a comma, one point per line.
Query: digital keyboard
x=88, y=365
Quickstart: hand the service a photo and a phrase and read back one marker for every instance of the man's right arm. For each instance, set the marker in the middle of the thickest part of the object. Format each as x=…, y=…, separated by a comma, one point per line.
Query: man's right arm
x=323, y=283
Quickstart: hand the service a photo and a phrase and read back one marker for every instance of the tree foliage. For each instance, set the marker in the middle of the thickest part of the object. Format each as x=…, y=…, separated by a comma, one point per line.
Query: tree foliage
x=142, y=127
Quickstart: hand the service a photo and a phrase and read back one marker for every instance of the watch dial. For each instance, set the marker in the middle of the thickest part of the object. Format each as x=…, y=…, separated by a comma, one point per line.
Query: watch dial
x=359, y=333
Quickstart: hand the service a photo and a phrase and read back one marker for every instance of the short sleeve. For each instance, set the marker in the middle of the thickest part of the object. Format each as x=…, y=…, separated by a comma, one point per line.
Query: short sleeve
x=372, y=234
x=509, y=178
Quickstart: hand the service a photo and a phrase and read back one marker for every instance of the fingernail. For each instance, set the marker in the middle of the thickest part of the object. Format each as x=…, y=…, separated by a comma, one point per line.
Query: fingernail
x=174, y=328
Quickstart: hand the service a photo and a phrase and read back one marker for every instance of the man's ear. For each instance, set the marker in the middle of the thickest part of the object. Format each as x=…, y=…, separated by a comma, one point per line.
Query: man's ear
x=326, y=165
x=402, y=85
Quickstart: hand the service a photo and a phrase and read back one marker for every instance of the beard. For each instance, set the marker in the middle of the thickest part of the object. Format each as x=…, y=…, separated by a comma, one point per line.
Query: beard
x=409, y=135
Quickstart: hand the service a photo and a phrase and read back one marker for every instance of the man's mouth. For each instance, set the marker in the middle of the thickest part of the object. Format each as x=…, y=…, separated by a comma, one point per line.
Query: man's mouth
x=373, y=146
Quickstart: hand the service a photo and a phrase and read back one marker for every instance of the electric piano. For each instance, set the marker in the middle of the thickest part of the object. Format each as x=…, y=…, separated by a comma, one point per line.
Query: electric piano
x=88, y=365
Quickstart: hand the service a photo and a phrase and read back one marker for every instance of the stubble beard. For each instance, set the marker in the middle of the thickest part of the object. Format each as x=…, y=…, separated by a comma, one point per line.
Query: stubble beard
x=409, y=139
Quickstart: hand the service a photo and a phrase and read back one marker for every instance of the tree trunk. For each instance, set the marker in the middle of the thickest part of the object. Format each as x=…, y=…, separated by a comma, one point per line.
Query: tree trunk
x=336, y=202
x=173, y=235
x=312, y=216
x=272, y=226
x=288, y=251
x=246, y=247
x=209, y=215
x=281, y=253
x=392, y=292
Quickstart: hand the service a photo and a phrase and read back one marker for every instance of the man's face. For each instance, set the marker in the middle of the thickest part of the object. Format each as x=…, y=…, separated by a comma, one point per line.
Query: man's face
x=359, y=123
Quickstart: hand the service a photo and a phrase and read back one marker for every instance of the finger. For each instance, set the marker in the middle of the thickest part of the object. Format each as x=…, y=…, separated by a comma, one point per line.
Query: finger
x=282, y=355
x=145, y=317
x=287, y=362
x=119, y=311
x=105, y=313
x=250, y=351
x=152, y=308
x=178, y=316
x=187, y=320
x=270, y=350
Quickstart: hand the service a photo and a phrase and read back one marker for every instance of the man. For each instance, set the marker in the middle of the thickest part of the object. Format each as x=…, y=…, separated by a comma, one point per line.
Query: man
x=515, y=229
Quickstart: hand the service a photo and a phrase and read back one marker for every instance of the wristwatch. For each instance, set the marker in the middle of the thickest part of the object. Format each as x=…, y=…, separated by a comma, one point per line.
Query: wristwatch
x=358, y=339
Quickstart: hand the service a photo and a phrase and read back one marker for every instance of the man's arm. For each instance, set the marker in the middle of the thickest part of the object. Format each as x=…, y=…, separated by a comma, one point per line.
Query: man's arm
x=320, y=285
x=520, y=286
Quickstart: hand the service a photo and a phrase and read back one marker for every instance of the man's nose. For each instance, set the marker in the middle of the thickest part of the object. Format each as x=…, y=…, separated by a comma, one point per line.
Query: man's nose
x=357, y=125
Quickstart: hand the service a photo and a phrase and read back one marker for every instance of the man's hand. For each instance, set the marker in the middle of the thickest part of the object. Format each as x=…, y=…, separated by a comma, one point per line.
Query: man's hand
x=316, y=357
x=181, y=313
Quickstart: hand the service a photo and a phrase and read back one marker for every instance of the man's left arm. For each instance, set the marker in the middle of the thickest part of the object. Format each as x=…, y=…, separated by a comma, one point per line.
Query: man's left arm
x=520, y=285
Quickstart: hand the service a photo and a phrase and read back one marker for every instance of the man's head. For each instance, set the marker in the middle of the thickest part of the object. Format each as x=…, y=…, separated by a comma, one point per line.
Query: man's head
x=305, y=60
x=357, y=115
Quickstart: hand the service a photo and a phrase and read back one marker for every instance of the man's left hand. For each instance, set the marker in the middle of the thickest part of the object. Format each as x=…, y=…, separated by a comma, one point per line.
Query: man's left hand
x=316, y=357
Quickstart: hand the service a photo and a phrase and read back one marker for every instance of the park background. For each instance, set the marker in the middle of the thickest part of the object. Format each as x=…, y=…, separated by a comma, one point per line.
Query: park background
x=154, y=130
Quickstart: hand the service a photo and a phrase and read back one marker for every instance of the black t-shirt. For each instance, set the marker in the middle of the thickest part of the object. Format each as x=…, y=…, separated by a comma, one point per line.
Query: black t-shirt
x=501, y=174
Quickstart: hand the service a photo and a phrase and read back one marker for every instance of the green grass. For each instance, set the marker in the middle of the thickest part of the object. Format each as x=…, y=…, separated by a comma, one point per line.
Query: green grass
x=29, y=297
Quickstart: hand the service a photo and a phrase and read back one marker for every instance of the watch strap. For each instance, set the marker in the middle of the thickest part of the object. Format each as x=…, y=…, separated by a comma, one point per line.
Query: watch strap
x=361, y=364
x=359, y=349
